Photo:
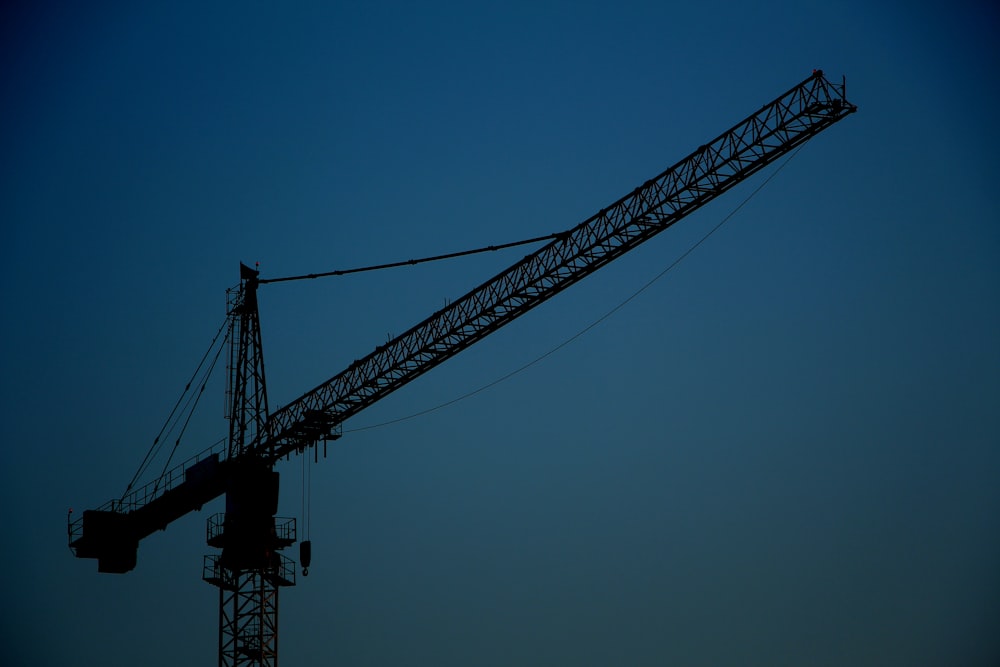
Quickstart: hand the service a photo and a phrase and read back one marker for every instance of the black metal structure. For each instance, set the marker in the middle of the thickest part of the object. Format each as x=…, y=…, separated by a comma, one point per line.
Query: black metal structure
x=250, y=570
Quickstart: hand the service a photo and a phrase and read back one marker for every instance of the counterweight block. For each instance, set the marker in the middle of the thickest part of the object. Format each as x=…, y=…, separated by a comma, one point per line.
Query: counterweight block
x=108, y=537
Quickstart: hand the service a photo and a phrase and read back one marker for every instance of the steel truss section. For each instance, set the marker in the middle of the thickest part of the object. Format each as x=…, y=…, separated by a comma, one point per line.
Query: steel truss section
x=250, y=570
x=713, y=168
x=248, y=620
x=247, y=392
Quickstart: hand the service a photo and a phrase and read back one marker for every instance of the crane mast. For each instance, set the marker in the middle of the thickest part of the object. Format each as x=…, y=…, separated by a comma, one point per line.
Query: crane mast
x=250, y=570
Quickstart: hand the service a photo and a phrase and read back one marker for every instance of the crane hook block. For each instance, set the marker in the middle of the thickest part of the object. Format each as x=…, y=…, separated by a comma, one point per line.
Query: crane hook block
x=305, y=556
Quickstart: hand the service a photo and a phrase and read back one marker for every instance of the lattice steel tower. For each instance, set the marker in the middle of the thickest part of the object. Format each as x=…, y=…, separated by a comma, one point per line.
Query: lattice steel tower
x=251, y=570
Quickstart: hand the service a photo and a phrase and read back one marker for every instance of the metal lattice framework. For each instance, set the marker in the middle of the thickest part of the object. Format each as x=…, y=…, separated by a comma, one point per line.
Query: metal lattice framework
x=248, y=620
x=249, y=571
x=748, y=147
x=247, y=392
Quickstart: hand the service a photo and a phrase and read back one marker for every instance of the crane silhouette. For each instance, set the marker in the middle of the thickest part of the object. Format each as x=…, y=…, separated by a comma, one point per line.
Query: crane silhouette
x=250, y=570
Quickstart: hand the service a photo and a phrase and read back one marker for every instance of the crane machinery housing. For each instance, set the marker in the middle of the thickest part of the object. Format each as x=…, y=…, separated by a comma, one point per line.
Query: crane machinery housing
x=251, y=569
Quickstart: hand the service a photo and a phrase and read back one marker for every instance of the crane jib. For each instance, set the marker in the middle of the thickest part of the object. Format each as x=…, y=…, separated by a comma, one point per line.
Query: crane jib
x=711, y=169
x=111, y=533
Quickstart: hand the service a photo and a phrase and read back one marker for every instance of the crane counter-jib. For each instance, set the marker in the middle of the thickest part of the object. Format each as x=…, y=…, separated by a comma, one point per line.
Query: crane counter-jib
x=112, y=533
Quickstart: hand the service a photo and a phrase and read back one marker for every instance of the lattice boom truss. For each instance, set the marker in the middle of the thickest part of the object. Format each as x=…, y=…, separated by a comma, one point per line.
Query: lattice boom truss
x=748, y=147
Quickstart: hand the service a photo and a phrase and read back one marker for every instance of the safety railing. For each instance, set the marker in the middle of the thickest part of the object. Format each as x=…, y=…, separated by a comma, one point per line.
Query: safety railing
x=145, y=494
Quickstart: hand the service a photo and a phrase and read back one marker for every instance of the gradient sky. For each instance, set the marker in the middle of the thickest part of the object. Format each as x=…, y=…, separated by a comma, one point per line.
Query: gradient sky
x=786, y=452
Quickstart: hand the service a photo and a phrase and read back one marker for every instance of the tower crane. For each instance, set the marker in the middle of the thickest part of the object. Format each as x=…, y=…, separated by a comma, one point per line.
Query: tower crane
x=251, y=569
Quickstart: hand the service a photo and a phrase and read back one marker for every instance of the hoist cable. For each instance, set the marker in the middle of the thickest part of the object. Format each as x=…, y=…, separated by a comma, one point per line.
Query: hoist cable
x=411, y=262
x=306, y=496
x=593, y=324
x=308, y=513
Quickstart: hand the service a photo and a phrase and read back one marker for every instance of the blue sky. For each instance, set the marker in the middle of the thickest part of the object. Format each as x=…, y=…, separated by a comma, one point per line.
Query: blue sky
x=785, y=452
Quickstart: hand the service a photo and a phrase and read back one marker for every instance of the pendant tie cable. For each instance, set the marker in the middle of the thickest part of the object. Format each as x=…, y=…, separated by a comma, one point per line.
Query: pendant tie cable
x=411, y=262
x=189, y=401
